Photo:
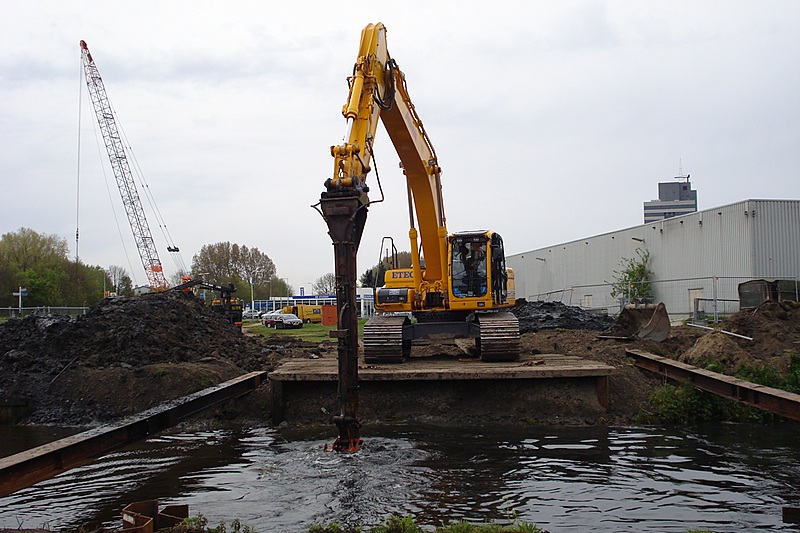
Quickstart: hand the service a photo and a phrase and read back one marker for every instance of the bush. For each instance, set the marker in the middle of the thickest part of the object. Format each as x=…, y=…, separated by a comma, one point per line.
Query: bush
x=685, y=405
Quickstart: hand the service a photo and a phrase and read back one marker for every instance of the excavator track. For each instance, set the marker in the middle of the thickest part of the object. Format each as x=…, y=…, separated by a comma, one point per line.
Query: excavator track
x=499, y=337
x=383, y=340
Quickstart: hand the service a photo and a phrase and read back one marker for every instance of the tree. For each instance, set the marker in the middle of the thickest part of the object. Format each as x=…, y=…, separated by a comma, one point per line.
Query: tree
x=41, y=264
x=178, y=277
x=27, y=249
x=633, y=280
x=115, y=274
x=223, y=263
x=215, y=262
x=121, y=282
x=325, y=285
x=254, y=267
x=377, y=272
x=125, y=286
x=279, y=287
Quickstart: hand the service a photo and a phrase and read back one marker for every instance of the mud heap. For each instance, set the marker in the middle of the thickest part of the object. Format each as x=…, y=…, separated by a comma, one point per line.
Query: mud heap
x=123, y=356
x=773, y=329
x=535, y=316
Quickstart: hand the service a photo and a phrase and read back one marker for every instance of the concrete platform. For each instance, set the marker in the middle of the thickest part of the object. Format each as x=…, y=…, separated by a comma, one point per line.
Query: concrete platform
x=413, y=375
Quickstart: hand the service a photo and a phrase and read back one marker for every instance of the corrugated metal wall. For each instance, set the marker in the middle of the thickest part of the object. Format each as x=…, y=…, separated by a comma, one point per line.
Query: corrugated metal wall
x=700, y=255
x=776, y=241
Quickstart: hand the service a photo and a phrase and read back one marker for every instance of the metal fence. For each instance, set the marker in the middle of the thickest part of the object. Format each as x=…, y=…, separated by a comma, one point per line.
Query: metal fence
x=16, y=312
x=702, y=299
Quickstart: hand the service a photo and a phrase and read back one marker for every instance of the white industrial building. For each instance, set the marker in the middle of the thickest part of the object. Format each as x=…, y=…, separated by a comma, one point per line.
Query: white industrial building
x=697, y=259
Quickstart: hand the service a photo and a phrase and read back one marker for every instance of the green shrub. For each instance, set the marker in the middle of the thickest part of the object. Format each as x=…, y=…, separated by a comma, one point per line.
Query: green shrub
x=683, y=404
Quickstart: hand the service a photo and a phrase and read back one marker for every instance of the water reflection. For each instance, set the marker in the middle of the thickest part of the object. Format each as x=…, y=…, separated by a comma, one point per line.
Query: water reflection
x=723, y=477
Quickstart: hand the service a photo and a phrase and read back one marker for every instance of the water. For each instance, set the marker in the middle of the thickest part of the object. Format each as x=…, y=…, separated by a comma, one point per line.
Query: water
x=722, y=478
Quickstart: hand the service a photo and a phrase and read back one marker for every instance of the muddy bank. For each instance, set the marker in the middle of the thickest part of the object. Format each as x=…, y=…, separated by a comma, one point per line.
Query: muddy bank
x=130, y=354
x=124, y=356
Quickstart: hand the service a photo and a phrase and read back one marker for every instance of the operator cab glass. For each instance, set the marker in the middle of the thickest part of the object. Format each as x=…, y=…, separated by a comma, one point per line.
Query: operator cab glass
x=469, y=266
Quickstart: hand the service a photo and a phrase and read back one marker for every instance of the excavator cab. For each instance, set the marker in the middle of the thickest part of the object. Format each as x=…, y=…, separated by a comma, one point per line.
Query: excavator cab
x=469, y=267
x=478, y=274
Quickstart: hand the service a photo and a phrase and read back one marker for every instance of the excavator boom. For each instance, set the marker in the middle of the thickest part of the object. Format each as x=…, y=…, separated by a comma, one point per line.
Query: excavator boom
x=378, y=91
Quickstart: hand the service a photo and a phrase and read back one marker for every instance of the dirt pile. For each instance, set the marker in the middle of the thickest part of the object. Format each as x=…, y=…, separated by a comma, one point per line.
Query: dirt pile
x=535, y=316
x=125, y=355
x=774, y=328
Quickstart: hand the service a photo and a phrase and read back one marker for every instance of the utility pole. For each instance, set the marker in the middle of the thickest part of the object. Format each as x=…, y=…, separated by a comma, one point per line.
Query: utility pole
x=252, y=298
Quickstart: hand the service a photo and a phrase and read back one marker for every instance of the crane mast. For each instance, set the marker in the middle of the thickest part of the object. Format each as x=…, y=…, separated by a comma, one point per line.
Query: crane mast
x=122, y=173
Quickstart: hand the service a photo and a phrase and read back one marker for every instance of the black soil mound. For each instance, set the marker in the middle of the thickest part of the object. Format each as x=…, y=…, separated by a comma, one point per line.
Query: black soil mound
x=535, y=316
x=46, y=360
x=141, y=330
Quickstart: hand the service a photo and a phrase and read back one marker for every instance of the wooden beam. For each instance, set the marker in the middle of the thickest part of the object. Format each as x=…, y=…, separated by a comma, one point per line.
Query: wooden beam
x=37, y=464
x=442, y=369
x=766, y=398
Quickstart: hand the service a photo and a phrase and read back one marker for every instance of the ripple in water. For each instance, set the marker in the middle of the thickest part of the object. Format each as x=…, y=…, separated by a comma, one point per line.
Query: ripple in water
x=589, y=479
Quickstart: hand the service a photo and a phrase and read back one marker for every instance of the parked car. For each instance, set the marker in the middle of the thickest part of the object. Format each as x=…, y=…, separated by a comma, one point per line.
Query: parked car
x=268, y=319
x=249, y=314
x=287, y=321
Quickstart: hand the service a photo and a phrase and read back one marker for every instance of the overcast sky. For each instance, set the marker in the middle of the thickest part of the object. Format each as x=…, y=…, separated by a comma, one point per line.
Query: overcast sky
x=552, y=120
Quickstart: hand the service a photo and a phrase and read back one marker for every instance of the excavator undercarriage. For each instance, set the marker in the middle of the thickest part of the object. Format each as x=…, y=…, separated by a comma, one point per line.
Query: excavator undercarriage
x=388, y=339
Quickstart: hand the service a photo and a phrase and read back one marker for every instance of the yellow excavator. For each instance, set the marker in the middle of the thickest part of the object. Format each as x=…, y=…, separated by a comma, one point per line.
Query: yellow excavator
x=458, y=284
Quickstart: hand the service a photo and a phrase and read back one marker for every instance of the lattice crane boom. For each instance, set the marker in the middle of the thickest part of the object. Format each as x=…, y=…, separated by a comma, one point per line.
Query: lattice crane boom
x=122, y=173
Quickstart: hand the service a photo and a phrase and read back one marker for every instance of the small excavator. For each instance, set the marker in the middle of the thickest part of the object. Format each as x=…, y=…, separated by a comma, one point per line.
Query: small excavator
x=225, y=304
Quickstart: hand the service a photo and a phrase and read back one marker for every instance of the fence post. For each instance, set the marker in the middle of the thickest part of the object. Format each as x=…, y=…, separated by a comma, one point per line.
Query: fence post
x=714, y=293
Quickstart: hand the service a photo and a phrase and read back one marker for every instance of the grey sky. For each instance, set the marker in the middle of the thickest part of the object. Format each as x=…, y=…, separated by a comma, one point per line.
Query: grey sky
x=552, y=120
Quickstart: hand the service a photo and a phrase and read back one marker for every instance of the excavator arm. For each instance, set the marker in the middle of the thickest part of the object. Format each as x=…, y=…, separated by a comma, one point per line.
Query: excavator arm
x=378, y=90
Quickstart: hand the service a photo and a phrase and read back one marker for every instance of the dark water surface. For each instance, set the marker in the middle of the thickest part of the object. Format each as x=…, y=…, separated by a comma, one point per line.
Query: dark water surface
x=722, y=478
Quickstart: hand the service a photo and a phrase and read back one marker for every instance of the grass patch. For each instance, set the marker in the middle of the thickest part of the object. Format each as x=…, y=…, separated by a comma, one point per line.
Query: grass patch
x=768, y=375
x=309, y=332
x=407, y=524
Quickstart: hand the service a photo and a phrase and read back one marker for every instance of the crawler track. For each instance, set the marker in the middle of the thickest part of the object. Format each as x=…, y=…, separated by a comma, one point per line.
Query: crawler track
x=387, y=339
x=499, y=337
x=383, y=340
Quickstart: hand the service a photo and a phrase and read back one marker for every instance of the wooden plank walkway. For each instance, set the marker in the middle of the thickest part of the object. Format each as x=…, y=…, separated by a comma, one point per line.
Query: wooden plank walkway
x=31, y=466
x=539, y=366
x=767, y=398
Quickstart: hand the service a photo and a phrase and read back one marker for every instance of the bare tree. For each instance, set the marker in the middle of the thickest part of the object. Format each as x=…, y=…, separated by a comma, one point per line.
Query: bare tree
x=253, y=266
x=216, y=262
x=325, y=285
x=116, y=274
x=224, y=263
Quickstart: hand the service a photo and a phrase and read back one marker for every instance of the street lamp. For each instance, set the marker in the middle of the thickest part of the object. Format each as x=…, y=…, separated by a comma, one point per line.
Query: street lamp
x=252, y=299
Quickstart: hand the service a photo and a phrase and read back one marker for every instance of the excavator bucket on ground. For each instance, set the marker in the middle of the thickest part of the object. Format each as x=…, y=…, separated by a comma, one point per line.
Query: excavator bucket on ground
x=640, y=321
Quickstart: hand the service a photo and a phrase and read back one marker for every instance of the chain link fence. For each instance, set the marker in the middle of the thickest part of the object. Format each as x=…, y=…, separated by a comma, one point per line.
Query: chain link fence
x=702, y=299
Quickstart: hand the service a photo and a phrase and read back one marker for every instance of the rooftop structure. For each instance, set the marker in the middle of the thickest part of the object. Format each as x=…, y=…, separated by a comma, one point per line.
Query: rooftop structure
x=674, y=199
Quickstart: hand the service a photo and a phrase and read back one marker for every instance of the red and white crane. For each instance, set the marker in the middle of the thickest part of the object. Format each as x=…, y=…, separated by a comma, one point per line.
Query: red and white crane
x=122, y=173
